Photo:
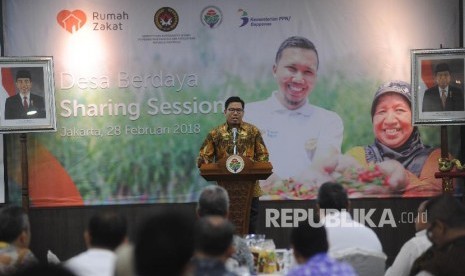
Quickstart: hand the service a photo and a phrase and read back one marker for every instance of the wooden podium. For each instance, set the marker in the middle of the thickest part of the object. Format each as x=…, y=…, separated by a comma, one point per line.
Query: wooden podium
x=239, y=186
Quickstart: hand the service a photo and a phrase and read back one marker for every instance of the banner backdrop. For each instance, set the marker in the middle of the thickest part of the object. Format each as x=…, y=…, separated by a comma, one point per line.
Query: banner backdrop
x=139, y=85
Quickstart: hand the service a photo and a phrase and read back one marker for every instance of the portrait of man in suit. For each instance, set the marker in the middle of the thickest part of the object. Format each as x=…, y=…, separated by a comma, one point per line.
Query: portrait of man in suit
x=24, y=104
x=443, y=96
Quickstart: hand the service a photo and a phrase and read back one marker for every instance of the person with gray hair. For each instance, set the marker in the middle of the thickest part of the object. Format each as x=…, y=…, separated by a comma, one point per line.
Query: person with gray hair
x=15, y=237
x=214, y=201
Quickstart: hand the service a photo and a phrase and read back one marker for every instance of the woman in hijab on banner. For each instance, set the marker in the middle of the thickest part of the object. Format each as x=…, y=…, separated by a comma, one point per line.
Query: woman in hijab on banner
x=397, y=163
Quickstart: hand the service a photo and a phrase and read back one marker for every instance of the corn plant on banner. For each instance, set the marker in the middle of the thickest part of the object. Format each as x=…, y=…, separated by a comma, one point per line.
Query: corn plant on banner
x=138, y=85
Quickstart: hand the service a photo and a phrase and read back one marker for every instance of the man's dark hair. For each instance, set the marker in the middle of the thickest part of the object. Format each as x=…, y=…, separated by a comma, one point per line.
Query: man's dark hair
x=308, y=241
x=447, y=209
x=164, y=243
x=13, y=221
x=442, y=67
x=233, y=99
x=213, y=235
x=332, y=195
x=23, y=74
x=296, y=42
x=213, y=200
x=107, y=229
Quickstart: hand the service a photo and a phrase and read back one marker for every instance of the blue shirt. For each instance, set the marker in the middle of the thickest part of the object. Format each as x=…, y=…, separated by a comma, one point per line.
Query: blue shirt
x=322, y=265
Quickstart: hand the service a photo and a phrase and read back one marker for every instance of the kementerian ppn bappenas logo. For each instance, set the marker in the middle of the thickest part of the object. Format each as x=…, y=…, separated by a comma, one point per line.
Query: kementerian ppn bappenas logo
x=243, y=16
x=166, y=19
x=211, y=16
x=71, y=21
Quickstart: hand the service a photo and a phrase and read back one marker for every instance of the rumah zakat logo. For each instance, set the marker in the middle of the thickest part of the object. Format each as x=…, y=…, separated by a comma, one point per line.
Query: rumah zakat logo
x=71, y=21
x=244, y=17
x=211, y=16
x=166, y=19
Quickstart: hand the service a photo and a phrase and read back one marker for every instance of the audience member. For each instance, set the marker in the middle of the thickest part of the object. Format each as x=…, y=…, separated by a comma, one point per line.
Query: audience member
x=214, y=200
x=213, y=246
x=164, y=244
x=414, y=247
x=343, y=231
x=104, y=233
x=447, y=233
x=310, y=247
x=15, y=236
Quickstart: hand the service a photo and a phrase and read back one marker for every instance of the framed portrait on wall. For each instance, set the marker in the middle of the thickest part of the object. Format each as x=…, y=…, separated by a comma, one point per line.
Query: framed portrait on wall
x=27, y=94
x=437, y=86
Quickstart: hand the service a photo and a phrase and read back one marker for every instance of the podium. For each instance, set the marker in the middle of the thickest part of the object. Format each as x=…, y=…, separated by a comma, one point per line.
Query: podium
x=239, y=185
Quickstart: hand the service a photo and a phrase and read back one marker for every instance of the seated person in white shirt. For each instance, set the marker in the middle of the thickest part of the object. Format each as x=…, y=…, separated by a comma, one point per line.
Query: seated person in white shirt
x=104, y=233
x=343, y=232
x=414, y=247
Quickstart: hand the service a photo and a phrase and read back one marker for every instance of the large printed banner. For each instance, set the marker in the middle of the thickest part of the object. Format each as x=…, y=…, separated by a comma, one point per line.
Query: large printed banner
x=139, y=85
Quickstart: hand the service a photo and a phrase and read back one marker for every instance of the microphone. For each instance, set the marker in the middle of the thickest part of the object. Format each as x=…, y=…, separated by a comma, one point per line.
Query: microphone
x=234, y=132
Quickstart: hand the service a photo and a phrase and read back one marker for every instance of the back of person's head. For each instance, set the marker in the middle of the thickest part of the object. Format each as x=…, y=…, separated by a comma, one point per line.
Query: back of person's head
x=295, y=42
x=164, y=243
x=233, y=99
x=23, y=74
x=332, y=195
x=213, y=200
x=45, y=269
x=13, y=221
x=107, y=230
x=447, y=209
x=213, y=236
x=308, y=241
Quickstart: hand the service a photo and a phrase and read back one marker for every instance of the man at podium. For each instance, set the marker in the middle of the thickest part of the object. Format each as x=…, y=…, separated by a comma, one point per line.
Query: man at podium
x=236, y=137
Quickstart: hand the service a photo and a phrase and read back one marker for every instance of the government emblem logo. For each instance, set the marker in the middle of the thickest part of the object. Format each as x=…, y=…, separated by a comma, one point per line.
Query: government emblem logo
x=166, y=19
x=211, y=16
x=235, y=164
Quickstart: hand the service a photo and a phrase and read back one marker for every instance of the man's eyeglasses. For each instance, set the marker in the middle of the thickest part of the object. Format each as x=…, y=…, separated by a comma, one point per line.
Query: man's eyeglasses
x=237, y=110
